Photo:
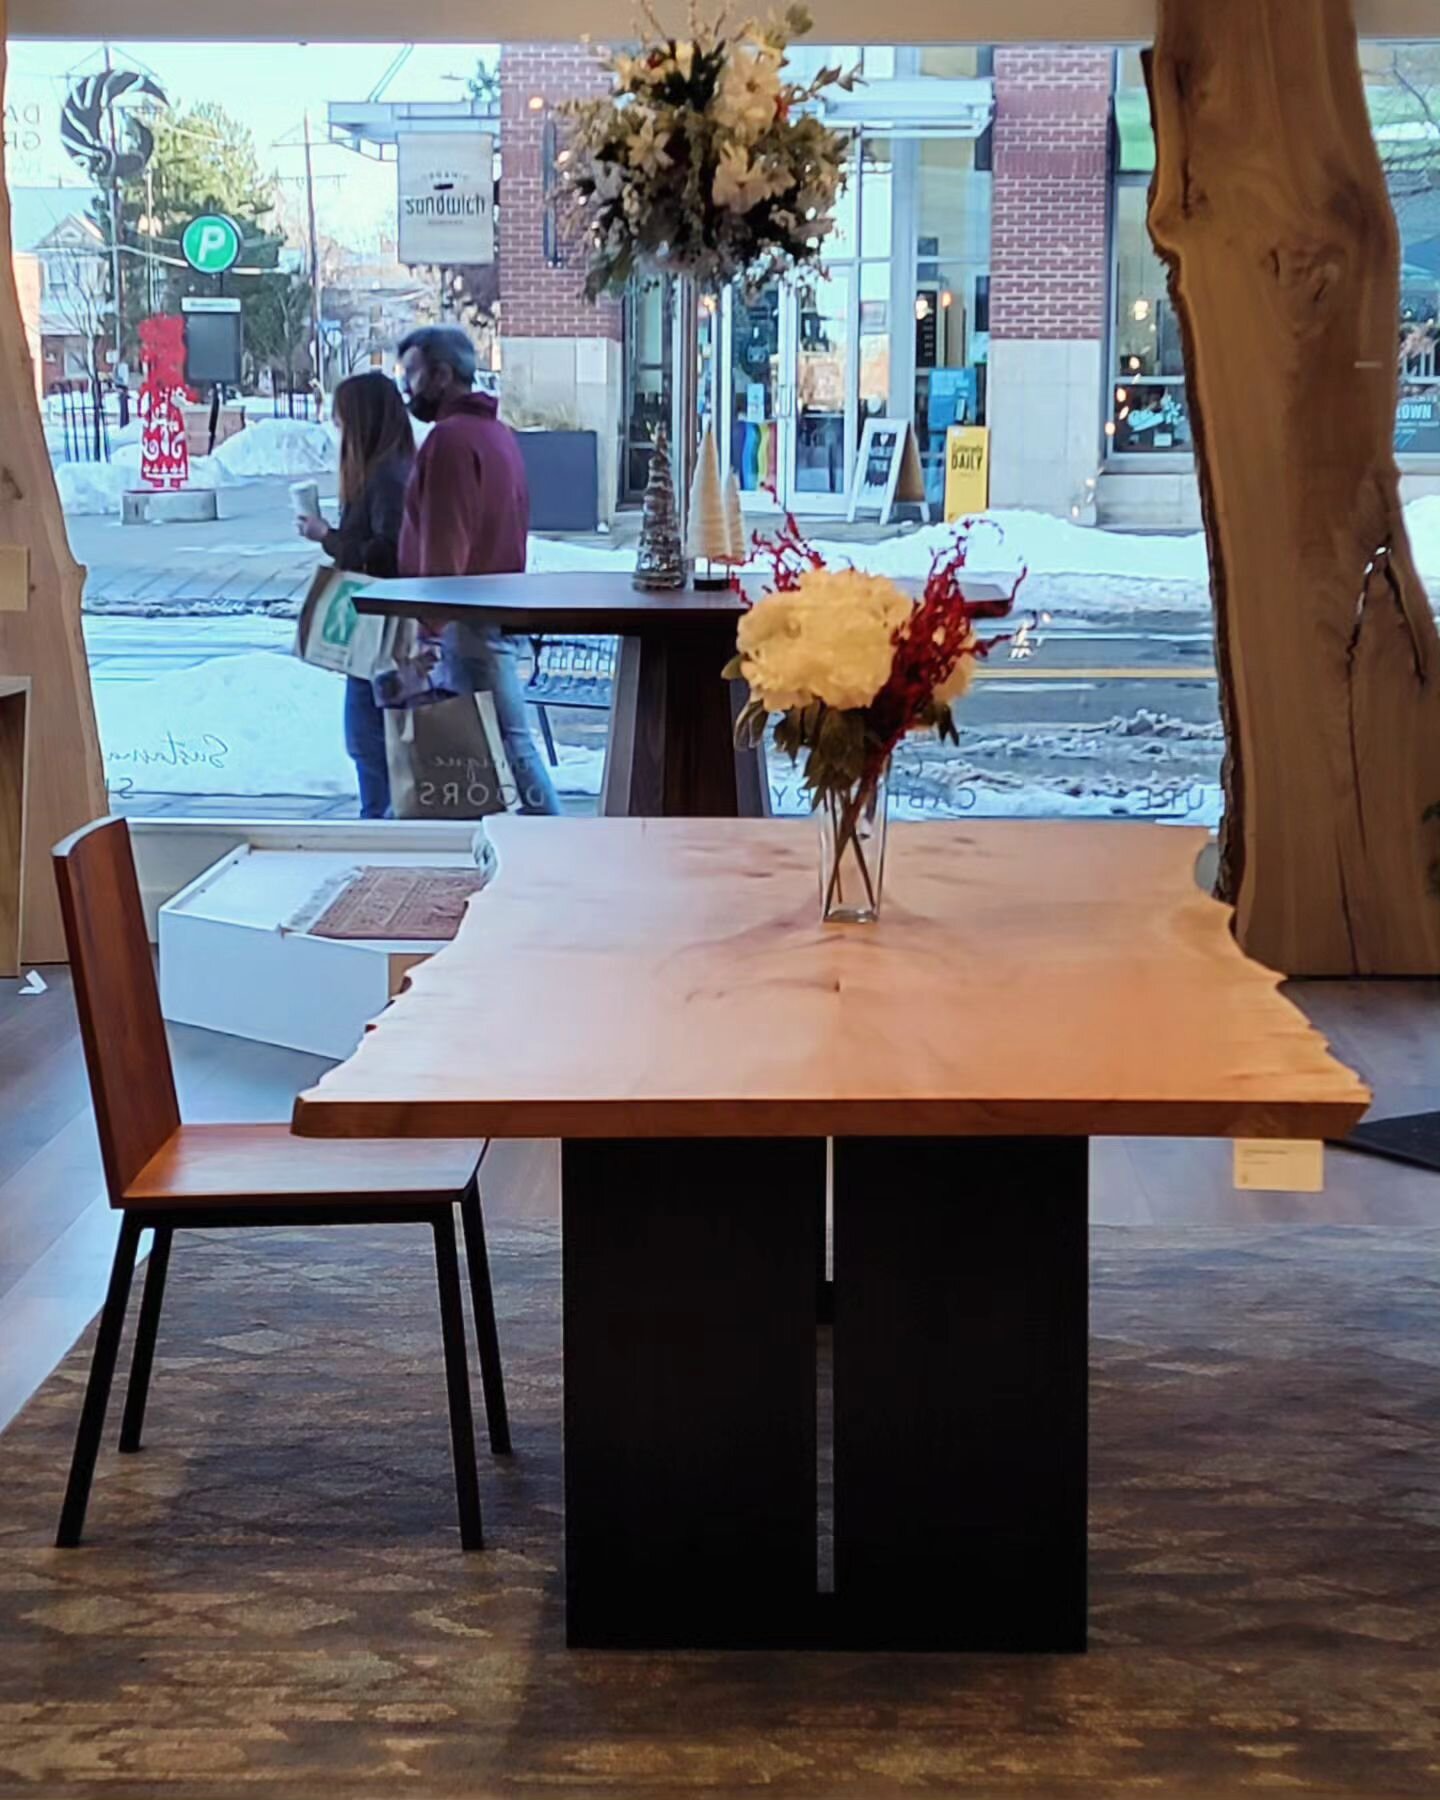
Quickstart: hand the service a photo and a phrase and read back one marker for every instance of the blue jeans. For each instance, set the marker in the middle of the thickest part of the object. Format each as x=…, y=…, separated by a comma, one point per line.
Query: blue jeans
x=487, y=659
x=365, y=742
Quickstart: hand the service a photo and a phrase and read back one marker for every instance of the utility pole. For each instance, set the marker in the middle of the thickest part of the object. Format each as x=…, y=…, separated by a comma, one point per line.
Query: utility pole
x=314, y=263
x=114, y=227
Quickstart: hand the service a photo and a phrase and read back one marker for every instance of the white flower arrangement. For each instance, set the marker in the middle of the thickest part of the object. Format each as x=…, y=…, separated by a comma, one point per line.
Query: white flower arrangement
x=829, y=639
x=705, y=160
x=846, y=663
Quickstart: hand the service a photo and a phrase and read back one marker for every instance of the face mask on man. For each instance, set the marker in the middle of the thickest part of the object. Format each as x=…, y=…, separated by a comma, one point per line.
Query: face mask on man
x=425, y=406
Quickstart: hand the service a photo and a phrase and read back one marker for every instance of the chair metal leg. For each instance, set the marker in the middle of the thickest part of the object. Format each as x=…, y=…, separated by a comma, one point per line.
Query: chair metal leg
x=138, y=1389
x=457, y=1380
x=482, y=1299
x=548, y=735
x=97, y=1390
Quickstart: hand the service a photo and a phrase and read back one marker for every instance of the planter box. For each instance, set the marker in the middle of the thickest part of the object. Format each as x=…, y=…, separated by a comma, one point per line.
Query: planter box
x=229, y=963
x=564, y=472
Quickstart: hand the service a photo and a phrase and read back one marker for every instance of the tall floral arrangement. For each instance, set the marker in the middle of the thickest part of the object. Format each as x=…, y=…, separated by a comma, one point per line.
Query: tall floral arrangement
x=847, y=664
x=705, y=160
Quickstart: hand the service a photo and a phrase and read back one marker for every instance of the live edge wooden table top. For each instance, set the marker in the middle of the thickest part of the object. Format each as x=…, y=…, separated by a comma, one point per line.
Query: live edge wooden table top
x=634, y=978
x=660, y=995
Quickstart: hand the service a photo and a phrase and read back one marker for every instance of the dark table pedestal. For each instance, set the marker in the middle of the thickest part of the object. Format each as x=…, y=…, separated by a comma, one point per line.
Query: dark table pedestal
x=959, y=1356
x=671, y=749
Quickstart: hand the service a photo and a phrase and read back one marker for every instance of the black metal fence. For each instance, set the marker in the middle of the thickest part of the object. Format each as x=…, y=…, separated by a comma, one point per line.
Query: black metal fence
x=76, y=413
x=298, y=402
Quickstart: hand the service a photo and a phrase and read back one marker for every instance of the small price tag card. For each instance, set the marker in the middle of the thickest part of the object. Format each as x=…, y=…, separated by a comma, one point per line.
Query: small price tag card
x=1280, y=1165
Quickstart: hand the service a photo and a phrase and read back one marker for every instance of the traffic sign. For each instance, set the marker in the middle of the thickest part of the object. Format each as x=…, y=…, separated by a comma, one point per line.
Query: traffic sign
x=211, y=243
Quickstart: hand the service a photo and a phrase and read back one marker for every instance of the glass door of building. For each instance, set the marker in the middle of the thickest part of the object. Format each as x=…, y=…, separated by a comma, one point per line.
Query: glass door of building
x=822, y=439
x=753, y=394
x=791, y=395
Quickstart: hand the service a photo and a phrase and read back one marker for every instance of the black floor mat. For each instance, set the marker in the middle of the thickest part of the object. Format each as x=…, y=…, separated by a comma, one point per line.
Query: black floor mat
x=1415, y=1138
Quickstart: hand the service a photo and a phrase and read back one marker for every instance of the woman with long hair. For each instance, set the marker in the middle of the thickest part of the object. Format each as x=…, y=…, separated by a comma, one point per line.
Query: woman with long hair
x=377, y=446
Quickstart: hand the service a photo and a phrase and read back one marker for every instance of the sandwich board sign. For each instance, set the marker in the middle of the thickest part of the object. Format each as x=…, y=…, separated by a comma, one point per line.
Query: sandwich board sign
x=887, y=470
x=967, y=471
x=445, y=186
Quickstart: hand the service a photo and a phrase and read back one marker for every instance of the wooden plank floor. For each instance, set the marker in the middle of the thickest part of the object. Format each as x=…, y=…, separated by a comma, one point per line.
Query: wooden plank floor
x=57, y=1233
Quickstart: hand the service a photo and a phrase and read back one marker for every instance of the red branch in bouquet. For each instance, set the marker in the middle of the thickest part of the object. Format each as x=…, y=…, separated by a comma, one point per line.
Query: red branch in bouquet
x=928, y=646
x=789, y=553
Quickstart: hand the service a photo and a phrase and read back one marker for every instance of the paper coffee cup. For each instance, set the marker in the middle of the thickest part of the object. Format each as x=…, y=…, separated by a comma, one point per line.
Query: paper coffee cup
x=305, y=498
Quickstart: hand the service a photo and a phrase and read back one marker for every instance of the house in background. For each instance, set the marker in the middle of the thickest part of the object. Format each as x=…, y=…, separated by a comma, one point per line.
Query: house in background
x=53, y=229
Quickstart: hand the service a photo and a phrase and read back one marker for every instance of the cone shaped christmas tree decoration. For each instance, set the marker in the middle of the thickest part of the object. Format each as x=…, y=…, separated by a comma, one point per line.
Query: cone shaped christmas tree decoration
x=739, y=539
x=709, y=532
x=660, y=562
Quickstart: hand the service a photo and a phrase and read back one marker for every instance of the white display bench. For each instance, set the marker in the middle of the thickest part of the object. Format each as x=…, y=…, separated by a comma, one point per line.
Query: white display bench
x=228, y=963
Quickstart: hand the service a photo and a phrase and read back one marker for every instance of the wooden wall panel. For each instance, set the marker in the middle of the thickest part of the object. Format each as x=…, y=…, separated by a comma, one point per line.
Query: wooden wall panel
x=40, y=638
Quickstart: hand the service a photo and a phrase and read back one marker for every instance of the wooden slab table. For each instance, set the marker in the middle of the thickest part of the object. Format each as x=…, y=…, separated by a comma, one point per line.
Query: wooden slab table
x=670, y=752
x=660, y=996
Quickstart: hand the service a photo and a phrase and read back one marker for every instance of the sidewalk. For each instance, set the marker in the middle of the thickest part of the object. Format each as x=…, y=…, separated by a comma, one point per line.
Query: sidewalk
x=251, y=560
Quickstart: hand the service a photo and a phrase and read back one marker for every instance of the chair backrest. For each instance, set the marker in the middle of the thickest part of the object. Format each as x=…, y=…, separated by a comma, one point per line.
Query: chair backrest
x=126, y=1052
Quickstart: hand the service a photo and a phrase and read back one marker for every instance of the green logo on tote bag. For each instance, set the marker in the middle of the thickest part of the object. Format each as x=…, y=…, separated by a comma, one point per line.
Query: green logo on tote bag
x=341, y=617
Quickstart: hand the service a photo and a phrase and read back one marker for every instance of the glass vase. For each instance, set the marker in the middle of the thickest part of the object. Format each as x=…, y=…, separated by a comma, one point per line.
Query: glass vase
x=852, y=852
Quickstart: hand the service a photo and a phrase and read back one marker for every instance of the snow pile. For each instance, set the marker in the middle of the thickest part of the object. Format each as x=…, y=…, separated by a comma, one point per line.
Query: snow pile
x=1003, y=542
x=88, y=488
x=1422, y=521
x=253, y=724
x=293, y=447
x=549, y=555
x=97, y=487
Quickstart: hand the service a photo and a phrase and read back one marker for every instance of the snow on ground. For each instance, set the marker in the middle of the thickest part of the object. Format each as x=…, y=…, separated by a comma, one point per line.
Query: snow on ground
x=97, y=487
x=252, y=724
x=1005, y=541
x=256, y=724
x=271, y=447
x=293, y=447
x=1422, y=521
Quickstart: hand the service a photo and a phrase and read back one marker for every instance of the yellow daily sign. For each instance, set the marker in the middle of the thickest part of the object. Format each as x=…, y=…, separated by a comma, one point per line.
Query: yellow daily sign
x=967, y=471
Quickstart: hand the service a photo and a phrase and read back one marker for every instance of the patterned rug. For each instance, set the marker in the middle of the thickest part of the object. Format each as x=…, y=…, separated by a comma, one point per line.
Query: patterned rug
x=272, y=1601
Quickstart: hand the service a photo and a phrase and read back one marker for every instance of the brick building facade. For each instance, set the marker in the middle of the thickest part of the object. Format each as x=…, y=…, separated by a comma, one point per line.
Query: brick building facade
x=1049, y=272
x=1049, y=268
x=561, y=356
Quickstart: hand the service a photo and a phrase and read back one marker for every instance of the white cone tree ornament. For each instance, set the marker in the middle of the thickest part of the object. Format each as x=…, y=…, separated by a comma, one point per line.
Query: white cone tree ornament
x=709, y=534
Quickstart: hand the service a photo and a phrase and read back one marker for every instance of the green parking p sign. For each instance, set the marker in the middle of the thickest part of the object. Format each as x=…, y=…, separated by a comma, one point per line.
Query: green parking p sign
x=211, y=243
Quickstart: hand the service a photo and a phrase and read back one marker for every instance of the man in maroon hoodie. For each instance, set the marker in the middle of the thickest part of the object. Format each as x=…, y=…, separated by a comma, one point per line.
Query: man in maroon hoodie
x=467, y=512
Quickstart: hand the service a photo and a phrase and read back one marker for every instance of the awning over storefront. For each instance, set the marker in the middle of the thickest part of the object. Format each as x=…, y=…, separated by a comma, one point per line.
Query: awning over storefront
x=921, y=105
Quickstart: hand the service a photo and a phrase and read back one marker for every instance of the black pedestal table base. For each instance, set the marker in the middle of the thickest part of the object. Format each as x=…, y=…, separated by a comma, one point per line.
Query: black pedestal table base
x=960, y=1349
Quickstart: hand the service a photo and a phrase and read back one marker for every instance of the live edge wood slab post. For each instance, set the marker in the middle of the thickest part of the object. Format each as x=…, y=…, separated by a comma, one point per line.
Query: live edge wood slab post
x=1269, y=207
x=61, y=783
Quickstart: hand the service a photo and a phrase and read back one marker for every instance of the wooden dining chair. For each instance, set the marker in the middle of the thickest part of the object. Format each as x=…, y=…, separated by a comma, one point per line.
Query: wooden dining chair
x=164, y=1175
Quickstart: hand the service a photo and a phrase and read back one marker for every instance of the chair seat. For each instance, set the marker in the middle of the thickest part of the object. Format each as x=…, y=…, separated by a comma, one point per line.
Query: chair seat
x=260, y=1165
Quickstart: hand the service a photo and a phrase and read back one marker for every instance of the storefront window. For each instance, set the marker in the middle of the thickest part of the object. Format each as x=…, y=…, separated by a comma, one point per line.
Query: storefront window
x=1402, y=84
x=898, y=327
x=952, y=295
x=648, y=345
x=754, y=386
x=1148, y=411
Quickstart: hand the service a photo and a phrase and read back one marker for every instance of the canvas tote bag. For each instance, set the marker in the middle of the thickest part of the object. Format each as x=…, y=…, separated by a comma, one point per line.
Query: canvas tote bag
x=330, y=633
x=447, y=761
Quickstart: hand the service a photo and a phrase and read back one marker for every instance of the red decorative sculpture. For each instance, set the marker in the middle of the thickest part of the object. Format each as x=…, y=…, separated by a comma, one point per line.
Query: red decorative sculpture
x=164, y=452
